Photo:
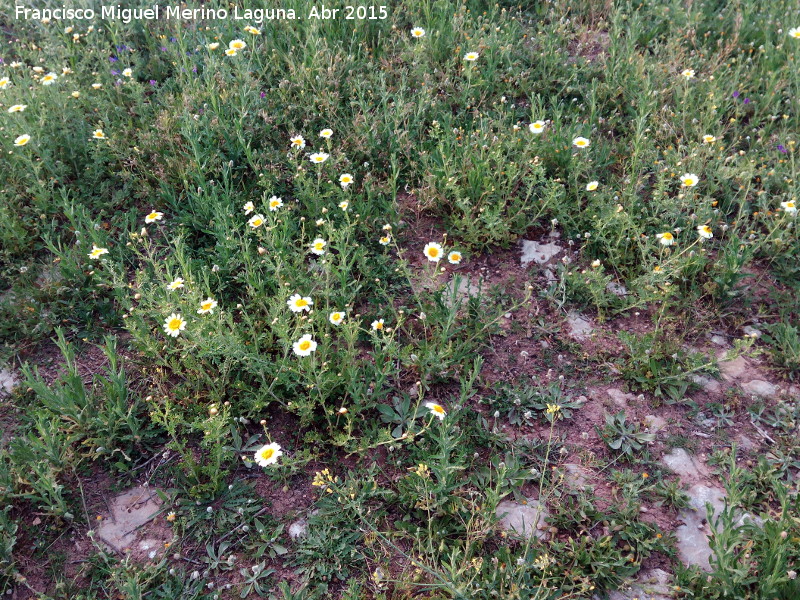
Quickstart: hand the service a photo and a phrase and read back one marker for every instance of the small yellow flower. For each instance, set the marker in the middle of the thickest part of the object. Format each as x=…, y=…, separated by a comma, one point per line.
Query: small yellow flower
x=17, y=108
x=256, y=221
x=154, y=215
x=688, y=73
x=581, y=142
x=97, y=252
x=318, y=157
x=76, y=94
x=176, y=284
x=304, y=346
x=298, y=303
x=689, y=180
x=794, y=32
x=98, y=134
x=268, y=455
x=171, y=516
x=22, y=140
x=127, y=72
x=326, y=133
x=97, y=86
x=207, y=306
x=344, y=204
x=666, y=238
x=433, y=251
x=174, y=324
x=4, y=82
x=336, y=317
x=591, y=186
x=377, y=325
x=471, y=56
x=454, y=257
x=252, y=30
x=237, y=45
x=385, y=240
x=345, y=179
x=275, y=203
x=213, y=45
x=49, y=79
x=709, y=139
x=231, y=52
x=537, y=127
x=248, y=207
x=418, y=32
x=318, y=246
x=437, y=410
x=704, y=231
x=789, y=207
x=298, y=141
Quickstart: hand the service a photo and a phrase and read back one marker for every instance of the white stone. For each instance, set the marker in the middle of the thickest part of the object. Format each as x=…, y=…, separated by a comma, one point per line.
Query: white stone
x=524, y=519
x=130, y=511
x=580, y=328
x=681, y=463
x=538, y=252
x=7, y=381
x=762, y=389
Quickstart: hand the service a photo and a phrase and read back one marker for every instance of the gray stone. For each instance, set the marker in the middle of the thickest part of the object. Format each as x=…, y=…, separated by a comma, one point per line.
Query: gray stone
x=130, y=511
x=654, y=423
x=648, y=585
x=685, y=466
x=734, y=369
x=538, y=252
x=752, y=331
x=617, y=288
x=746, y=443
x=692, y=536
x=7, y=382
x=298, y=529
x=524, y=519
x=580, y=328
x=467, y=289
x=719, y=340
x=575, y=476
x=619, y=397
x=707, y=384
x=762, y=389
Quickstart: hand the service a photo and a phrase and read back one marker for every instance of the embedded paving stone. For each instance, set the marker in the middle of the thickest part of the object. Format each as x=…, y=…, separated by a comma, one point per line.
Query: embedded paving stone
x=467, y=288
x=762, y=389
x=707, y=384
x=653, y=584
x=734, y=369
x=655, y=424
x=619, y=397
x=575, y=476
x=684, y=465
x=692, y=537
x=7, y=381
x=524, y=519
x=538, y=252
x=130, y=511
x=298, y=529
x=579, y=328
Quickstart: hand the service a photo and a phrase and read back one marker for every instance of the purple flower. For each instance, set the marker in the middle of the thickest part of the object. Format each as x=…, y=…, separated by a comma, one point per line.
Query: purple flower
x=113, y=72
x=121, y=48
x=173, y=39
x=747, y=100
x=194, y=69
x=263, y=94
x=163, y=48
x=153, y=82
x=782, y=149
x=736, y=94
x=112, y=59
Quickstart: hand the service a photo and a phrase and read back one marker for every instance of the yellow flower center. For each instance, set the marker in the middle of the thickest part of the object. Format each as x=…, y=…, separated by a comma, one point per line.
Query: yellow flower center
x=437, y=409
x=304, y=345
x=267, y=453
x=206, y=305
x=455, y=256
x=337, y=316
x=301, y=302
x=433, y=252
x=667, y=236
x=175, y=324
x=257, y=222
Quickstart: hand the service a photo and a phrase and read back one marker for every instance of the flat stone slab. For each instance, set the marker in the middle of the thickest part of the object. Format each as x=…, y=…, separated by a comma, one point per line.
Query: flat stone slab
x=655, y=423
x=538, y=252
x=692, y=536
x=579, y=328
x=732, y=370
x=762, y=389
x=467, y=288
x=653, y=584
x=524, y=519
x=130, y=511
x=619, y=397
x=8, y=382
x=684, y=465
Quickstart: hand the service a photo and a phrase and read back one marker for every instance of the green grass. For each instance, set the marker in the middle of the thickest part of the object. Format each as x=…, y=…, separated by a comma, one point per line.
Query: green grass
x=440, y=151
